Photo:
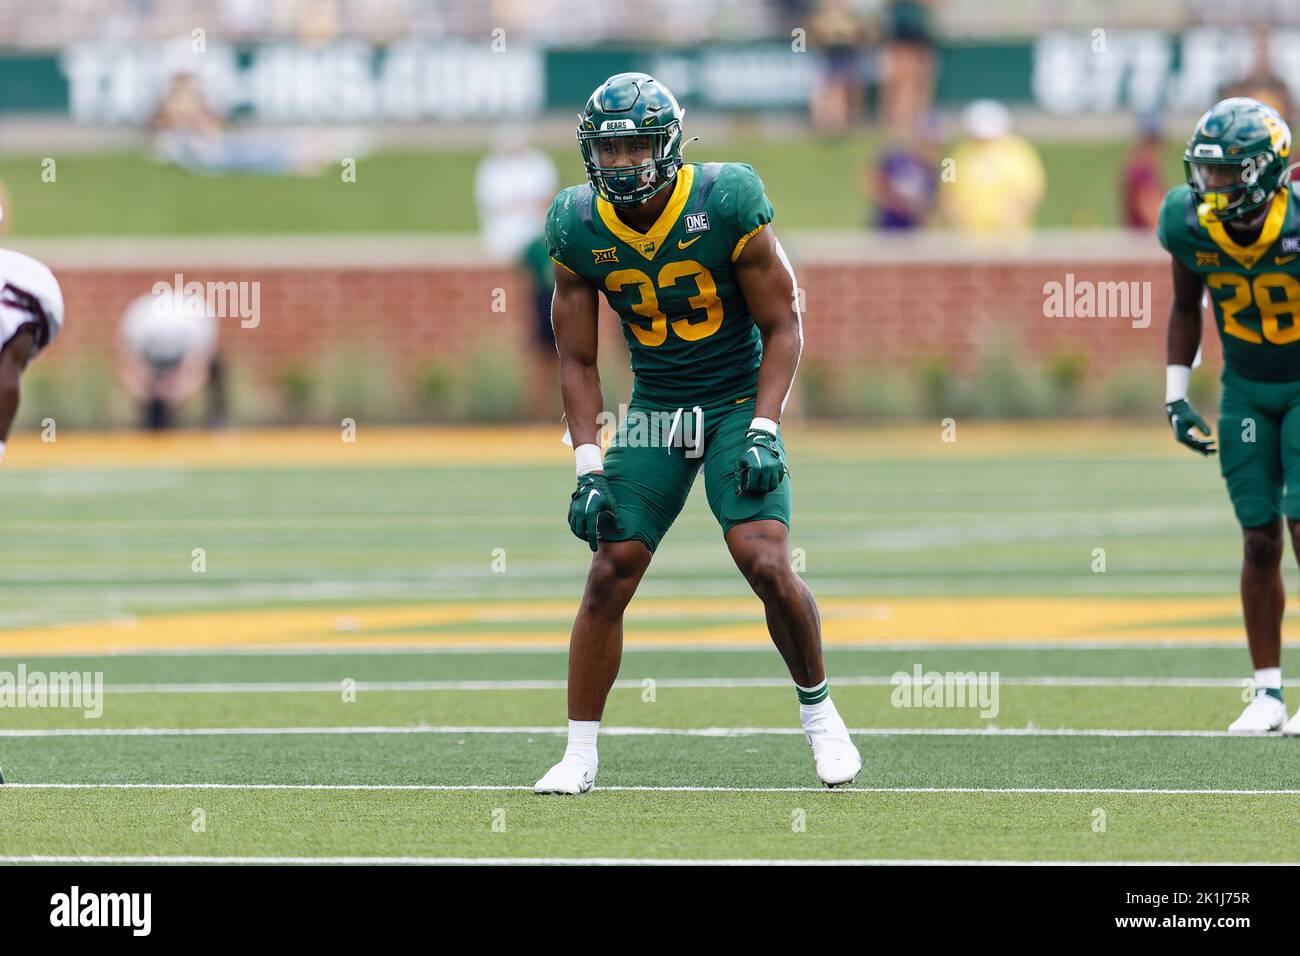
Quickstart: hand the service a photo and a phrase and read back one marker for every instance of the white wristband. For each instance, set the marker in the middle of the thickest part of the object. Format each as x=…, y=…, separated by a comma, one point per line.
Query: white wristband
x=1177, y=378
x=764, y=425
x=588, y=458
x=2, y=451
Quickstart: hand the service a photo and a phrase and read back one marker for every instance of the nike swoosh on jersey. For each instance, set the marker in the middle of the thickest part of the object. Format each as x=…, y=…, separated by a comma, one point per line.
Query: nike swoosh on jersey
x=683, y=245
x=1283, y=260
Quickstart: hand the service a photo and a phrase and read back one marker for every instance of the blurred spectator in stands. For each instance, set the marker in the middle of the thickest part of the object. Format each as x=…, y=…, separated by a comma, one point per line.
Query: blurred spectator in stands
x=183, y=111
x=997, y=177
x=839, y=36
x=1142, y=183
x=903, y=183
x=318, y=21
x=1262, y=82
x=196, y=137
x=167, y=353
x=514, y=185
x=907, y=65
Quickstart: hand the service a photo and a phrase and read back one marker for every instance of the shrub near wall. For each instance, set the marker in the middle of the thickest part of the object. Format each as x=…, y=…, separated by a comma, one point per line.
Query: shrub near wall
x=421, y=342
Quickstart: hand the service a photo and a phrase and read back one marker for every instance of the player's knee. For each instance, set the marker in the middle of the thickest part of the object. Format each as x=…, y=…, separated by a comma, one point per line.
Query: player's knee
x=768, y=573
x=1262, y=547
x=610, y=582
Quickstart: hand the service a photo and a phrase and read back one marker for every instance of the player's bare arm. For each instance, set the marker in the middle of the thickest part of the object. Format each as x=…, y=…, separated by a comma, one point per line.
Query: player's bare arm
x=1184, y=316
x=13, y=360
x=1184, y=338
x=768, y=286
x=574, y=316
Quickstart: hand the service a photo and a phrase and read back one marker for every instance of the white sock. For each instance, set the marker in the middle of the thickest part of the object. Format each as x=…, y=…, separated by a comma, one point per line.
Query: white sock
x=809, y=711
x=1268, y=678
x=582, y=741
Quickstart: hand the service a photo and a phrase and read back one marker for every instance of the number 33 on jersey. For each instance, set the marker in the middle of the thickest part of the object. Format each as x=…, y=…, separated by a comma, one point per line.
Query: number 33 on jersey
x=674, y=287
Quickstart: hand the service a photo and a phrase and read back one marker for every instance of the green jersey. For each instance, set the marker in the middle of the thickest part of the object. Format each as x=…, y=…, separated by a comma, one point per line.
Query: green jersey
x=1255, y=289
x=689, y=331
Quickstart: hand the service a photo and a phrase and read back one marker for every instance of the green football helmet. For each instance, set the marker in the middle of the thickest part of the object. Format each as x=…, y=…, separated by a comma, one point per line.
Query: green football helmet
x=630, y=105
x=1236, y=160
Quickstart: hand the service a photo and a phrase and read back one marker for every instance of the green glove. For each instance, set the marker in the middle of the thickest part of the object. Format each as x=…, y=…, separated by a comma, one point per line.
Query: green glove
x=1183, y=418
x=761, y=467
x=592, y=499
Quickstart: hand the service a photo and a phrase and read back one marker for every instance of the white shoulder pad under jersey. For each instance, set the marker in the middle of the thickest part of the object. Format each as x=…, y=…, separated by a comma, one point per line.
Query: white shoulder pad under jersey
x=29, y=296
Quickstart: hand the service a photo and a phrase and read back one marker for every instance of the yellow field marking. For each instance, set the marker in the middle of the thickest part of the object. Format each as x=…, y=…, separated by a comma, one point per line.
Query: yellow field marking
x=540, y=444
x=844, y=620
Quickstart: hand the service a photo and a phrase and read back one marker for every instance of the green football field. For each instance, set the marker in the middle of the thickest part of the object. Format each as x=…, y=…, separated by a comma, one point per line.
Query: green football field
x=371, y=664
x=98, y=194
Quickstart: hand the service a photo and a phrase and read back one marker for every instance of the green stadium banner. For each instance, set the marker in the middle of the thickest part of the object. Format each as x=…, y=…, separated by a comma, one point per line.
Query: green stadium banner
x=1064, y=73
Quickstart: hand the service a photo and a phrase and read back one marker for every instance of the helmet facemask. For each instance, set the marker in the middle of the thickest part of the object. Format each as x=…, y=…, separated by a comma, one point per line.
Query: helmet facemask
x=1231, y=189
x=605, y=152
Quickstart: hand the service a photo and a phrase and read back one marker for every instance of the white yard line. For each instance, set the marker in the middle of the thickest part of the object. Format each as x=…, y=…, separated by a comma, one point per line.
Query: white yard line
x=714, y=683
x=588, y=861
x=635, y=647
x=491, y=788
x=607, y=731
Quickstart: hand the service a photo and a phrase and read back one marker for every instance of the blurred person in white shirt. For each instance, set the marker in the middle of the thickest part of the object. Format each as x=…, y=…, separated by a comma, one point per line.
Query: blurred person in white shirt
x=514, y=186
x=168, y=352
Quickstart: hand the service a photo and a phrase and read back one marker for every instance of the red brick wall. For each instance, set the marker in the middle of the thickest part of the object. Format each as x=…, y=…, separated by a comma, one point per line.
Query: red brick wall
x=896, y=312
x=861, y=311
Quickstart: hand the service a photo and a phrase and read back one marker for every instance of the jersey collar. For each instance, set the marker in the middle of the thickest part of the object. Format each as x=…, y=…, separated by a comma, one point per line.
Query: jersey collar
x=649, y=243
x=1247, y=256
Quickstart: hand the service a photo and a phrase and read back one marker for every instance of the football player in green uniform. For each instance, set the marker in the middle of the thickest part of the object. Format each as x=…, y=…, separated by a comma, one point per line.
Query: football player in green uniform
x=709, y=307
x=1234, y=230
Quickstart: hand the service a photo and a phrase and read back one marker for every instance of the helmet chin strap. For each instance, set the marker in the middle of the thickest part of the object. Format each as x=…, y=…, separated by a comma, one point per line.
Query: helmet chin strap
x=1254, y=220
x=1259, y=215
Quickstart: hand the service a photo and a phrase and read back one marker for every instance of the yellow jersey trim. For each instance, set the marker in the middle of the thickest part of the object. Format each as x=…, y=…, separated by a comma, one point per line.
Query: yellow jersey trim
x=740, y=246
x=1247, y=256
x=563, y=266
x=654, y=239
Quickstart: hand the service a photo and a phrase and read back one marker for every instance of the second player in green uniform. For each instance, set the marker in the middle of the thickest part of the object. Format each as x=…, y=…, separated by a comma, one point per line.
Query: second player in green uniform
x=1234, y=231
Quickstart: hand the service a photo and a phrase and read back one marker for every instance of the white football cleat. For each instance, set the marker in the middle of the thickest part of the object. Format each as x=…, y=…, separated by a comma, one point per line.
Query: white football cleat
x=1292, y=727
x=1262, y=715
x=837, y=759
x=570, y=777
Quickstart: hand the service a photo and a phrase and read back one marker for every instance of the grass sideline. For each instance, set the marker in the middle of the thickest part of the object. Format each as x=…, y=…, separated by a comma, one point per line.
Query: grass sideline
x=351, y=791
x=378, y=563
x=305, y=523
x=413, y=191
